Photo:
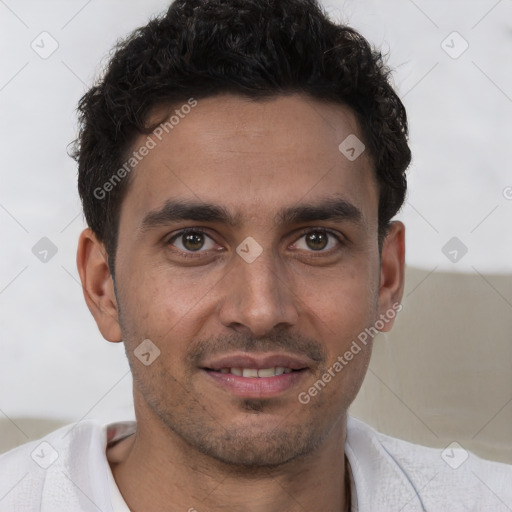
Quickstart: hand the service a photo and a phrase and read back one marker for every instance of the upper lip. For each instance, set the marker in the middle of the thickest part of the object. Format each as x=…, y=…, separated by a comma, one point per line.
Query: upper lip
x=258, y=361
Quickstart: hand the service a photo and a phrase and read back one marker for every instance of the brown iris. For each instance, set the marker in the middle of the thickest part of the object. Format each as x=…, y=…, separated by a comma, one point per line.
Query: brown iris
x=193, y=241
x=316, y=240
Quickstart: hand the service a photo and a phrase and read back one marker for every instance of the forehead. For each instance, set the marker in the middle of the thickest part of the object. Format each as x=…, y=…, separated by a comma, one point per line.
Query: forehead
x=251, y=157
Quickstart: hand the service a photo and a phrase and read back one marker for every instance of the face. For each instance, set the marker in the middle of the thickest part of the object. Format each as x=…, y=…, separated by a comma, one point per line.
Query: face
x=248, y=246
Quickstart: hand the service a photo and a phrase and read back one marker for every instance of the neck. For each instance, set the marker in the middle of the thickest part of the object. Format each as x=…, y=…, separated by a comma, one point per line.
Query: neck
x=156, y=470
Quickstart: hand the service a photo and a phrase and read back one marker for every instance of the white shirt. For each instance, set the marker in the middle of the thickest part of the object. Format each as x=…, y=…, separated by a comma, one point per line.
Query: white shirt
x=68, y=471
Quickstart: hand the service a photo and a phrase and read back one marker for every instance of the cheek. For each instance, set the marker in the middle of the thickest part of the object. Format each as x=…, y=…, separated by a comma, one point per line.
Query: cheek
x=339, y=307
x=339, y=317
x=344, y=300
x=164, y=306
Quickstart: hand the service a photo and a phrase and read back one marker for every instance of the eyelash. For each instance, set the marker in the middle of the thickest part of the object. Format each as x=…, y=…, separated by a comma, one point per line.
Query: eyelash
x=200, y=254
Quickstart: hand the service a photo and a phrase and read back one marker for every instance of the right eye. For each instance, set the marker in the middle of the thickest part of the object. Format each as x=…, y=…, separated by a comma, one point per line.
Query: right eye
x=191, y=241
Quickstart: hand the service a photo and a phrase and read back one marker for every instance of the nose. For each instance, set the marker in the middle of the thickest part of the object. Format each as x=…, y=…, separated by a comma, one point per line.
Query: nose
x=258, y=296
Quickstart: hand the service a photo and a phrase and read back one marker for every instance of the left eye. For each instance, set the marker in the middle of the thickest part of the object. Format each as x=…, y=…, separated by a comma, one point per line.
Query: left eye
x=318, y=240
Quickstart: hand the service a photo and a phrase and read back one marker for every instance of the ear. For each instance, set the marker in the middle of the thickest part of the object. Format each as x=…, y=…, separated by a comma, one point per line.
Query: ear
x=392, y=273
x=97, y=285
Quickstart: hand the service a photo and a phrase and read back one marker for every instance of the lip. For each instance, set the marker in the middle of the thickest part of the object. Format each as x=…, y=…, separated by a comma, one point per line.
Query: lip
x=257, y=387
x=244, y=360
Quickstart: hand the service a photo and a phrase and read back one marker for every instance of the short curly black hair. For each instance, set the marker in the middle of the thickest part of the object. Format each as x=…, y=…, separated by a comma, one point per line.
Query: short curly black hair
x=256, y=48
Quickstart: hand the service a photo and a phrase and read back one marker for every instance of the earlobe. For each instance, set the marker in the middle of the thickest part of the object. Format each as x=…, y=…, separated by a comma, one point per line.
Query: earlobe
x=97, y=285
x=392, y=271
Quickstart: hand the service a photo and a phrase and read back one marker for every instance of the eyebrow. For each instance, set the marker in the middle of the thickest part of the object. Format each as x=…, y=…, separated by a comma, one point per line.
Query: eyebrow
x=332, y=209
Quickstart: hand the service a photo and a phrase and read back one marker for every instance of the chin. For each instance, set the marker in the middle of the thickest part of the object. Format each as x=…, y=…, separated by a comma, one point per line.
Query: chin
x=253, y=447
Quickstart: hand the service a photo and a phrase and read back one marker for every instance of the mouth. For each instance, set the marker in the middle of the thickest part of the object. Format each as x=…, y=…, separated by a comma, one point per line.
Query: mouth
x=252, y=373
x=257, y=376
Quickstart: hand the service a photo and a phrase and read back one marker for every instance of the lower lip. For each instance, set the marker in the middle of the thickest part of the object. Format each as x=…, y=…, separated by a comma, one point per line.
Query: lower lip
x=256, y=387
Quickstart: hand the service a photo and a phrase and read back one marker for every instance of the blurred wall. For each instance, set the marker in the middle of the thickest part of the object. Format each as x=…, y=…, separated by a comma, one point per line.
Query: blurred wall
x=444, y=373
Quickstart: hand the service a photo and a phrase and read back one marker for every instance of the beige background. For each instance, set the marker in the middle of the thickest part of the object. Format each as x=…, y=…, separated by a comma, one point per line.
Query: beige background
x=443, y=374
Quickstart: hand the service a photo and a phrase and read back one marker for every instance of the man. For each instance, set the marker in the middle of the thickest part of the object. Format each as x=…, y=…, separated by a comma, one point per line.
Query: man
x=239, y=166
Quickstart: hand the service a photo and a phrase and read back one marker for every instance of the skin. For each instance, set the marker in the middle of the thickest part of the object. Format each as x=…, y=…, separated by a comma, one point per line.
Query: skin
x=197, y=445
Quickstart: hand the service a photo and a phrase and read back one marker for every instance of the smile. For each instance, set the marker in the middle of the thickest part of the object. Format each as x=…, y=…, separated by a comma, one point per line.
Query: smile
x=256, y=372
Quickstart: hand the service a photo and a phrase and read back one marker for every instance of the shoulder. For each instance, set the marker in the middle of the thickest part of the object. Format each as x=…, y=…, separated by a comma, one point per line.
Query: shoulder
x=51, y=469
x=450, y=478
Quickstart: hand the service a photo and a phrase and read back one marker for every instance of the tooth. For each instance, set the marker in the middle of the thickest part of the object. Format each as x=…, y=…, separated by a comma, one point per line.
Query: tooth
x=250, y=372
x=266, y=372
x=279, y=370
x=224, y=370
x=236, y=371
x=287, y=370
